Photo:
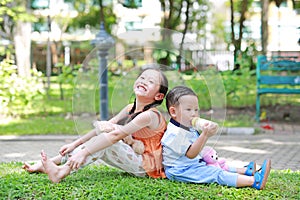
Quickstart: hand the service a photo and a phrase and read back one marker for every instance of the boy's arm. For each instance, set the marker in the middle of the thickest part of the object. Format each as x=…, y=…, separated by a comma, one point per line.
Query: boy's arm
x=208, y=130
x=197, y=146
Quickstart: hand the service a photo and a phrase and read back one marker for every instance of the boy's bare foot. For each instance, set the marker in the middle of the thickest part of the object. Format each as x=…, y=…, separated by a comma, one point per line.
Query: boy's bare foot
x=37, y=167
x=54, y=172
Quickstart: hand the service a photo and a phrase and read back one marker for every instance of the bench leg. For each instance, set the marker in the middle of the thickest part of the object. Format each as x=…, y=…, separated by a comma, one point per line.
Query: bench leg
x=257, y=107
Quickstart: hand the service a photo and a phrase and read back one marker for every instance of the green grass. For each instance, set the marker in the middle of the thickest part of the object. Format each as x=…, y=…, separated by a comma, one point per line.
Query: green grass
x=239, y=121
x=38, y=125
x=102, y=182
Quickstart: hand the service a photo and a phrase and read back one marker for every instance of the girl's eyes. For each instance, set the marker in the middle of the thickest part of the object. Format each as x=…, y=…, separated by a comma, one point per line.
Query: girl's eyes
x=150, y=81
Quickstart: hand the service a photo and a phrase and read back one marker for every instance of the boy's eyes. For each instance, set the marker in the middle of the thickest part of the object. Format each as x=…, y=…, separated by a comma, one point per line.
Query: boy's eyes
x=189, y=109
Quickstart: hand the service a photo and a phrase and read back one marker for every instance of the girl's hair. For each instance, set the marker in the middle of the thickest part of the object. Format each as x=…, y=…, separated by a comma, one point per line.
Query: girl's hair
x=162, y=89
x=177, y=92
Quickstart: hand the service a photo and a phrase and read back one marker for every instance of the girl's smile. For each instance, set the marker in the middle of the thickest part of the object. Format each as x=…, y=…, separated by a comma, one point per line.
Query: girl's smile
x=147, y=84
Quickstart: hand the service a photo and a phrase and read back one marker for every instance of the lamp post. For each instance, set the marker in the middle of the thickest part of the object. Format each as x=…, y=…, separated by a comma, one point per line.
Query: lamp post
x=103, y=42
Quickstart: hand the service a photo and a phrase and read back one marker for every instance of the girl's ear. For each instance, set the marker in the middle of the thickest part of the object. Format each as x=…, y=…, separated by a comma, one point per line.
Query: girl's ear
x=159, y=96
x=172, y=111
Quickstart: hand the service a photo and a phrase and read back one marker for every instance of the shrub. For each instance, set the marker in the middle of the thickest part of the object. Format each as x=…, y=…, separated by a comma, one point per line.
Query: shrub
x=18, y=94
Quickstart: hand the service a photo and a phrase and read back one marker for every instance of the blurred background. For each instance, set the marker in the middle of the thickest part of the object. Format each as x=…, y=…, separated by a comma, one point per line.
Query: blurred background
x=43, y=45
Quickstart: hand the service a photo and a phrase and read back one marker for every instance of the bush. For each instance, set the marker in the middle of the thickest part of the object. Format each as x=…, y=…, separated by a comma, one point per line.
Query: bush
x=18, y=94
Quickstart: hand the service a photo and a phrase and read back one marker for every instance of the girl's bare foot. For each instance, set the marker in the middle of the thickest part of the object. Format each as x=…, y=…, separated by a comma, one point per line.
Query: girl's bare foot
x=37, y=167
x=54, y=172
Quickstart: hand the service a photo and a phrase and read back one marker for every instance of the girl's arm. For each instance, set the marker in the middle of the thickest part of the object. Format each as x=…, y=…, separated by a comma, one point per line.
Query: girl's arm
x=83, y=139
x=71, y=146
x=209, y=129
x=104, y=140
x=123, y=113
x=146, y=119
x=92, y=133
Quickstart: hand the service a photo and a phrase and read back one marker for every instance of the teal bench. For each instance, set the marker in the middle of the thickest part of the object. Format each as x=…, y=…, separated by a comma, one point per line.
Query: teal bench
x=279, y=75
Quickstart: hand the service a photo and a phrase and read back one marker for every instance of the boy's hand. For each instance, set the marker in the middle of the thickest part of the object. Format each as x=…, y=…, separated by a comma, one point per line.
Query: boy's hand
x=210, y=129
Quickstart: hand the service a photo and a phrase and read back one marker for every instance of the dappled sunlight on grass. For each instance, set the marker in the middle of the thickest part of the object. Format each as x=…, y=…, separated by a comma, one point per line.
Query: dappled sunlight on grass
x=38, y=125
x=10, y=168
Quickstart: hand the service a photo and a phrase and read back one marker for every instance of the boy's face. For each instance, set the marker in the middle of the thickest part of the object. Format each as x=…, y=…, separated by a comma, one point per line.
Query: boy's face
x=186, y=110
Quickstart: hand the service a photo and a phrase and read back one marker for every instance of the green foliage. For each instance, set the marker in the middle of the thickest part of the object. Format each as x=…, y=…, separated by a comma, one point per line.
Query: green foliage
x=240, y=87
x=103, y=182
x=89, y=14
x=67, y=74
x=14, y=10
x=18, y=94
x=11, y=12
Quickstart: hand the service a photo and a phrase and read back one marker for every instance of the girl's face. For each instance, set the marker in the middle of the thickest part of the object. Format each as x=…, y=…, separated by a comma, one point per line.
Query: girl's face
x=147, y=85
x=186, y=109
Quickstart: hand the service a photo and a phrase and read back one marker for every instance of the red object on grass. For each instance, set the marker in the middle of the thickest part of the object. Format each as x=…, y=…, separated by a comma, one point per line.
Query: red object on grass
x=267, y=127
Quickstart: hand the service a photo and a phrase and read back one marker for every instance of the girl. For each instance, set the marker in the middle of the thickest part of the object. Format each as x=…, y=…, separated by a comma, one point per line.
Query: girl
x=142, y=120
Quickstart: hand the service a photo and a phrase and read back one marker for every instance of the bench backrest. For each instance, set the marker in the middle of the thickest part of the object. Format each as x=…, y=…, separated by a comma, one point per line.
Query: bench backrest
x=277, y=71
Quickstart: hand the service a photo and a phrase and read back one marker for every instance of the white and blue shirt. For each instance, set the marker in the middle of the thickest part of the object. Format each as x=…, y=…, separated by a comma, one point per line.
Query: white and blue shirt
x=175, y=142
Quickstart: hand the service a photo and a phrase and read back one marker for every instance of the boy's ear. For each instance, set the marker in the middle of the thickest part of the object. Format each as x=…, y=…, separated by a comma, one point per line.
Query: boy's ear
x=159, y=96
x=172, y=111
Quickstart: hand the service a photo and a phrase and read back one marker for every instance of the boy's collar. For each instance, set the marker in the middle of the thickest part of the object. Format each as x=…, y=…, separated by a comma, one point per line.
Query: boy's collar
x=173, y=121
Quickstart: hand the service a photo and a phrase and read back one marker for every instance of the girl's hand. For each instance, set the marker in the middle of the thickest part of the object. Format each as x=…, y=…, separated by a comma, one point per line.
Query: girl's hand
x=78, y=159
x=104, y=126
x=67, y=148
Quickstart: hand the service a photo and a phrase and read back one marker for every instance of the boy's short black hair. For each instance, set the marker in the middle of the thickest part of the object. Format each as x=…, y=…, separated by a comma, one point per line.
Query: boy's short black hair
x=177, y=92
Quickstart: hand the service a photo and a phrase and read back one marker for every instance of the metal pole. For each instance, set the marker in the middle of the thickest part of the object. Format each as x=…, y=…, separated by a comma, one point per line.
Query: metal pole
x=103, y=42
x=103, y=84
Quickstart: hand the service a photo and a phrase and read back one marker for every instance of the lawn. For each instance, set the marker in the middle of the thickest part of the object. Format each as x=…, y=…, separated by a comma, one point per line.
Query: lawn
x=102, y=182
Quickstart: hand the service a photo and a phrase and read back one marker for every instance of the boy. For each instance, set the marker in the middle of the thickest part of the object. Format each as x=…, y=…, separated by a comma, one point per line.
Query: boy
x=182, y=145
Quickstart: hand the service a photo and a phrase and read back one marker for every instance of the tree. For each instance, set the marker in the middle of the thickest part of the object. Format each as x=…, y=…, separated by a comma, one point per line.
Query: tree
x=237, y=25
x=15, y=26
x=264, y=25
x=183, y=16
x=265, y=18
x=90, y=12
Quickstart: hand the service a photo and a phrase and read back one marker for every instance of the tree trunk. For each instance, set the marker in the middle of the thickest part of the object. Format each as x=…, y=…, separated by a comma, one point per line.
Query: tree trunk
x=22, y=42
x=237, y=41
x=264, y=25
x=186, y=23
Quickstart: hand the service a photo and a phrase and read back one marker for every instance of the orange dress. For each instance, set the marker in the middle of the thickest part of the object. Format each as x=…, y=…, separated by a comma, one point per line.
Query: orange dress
x=152, y=156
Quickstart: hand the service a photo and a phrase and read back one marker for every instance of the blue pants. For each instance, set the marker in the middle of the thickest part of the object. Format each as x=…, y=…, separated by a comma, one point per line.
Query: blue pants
x=201, y=173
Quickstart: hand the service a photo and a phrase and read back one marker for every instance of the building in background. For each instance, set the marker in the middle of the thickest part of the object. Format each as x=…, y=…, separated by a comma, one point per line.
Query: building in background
x=284, y=31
